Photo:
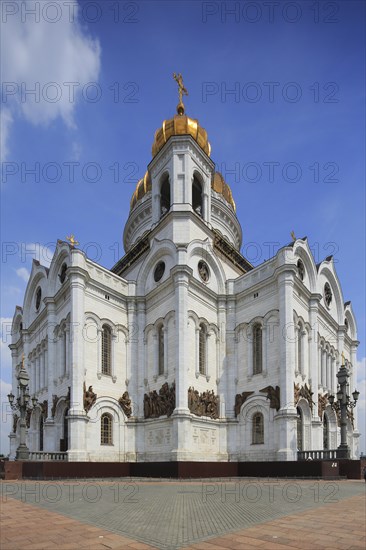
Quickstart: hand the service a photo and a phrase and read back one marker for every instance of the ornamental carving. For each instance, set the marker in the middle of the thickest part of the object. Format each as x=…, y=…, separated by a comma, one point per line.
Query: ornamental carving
x=273, y=394
x=89, y=398
x=125, y=403
x=240, y=398
x=305, y=392
x=159, y=404
x=203, y=404
x=322, y=403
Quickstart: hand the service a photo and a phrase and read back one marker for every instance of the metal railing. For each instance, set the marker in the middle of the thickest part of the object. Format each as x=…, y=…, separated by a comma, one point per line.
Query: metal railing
x=328, y=454
x=46, y=456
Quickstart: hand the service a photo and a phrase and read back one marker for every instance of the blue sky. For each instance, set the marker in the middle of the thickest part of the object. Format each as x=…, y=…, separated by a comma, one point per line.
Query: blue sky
x=289, y=138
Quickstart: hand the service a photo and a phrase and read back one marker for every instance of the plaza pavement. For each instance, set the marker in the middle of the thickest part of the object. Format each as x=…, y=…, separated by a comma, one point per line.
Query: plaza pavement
x=266, y=514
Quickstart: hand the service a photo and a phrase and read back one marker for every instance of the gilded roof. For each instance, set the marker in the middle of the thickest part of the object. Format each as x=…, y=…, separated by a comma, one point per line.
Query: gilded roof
x=181, y=125
x=219, y=185
x=143, y=186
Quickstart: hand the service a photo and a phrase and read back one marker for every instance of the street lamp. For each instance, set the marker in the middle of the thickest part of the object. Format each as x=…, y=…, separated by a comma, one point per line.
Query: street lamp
x=22, y=404
x=343, y=403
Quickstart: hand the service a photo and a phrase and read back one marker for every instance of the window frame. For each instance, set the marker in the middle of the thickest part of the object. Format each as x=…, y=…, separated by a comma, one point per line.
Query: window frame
x=257, y=347
x=106, y=432
x=106, y=358
x=258, y=434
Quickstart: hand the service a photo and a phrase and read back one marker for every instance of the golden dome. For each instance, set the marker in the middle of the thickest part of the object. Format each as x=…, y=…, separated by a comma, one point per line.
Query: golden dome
x=219, y=185
x=143, y=186
x=181, y=125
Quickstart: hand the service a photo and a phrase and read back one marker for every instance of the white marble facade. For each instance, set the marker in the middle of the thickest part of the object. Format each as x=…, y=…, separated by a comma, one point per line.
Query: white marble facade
x=223, y=327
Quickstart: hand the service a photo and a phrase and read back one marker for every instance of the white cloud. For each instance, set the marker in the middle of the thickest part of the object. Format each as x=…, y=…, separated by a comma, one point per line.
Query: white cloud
x=23, y=273
x=43, y=56
x=6, y=119
x=5, y=418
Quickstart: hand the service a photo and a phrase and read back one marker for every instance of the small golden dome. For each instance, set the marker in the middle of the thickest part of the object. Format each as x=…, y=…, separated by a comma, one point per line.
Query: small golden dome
x=181, y=125
x=219, y=185
x=143, y=186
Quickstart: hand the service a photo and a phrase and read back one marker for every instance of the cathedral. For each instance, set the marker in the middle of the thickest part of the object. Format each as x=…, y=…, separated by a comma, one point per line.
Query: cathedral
x=183, y=350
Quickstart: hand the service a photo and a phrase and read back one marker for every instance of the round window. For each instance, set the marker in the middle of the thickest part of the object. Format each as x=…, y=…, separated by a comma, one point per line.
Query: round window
x=159, y=271
x=203, y=271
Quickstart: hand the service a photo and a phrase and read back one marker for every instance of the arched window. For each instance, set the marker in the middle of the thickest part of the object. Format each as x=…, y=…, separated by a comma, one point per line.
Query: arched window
x=299, y=350
x=161, y=350
x=165, y=196
x=106, y=349
x=202, y=348
x=64, y=351
x=197, y=197
x=106, y=434
x=257, y=349
x=299, y=425
x=325, y=432
x=257, y=429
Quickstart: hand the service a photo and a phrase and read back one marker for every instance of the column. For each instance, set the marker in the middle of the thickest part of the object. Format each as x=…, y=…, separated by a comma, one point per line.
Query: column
x=141, y=322
x=38, y=370
x=328, y=383
x=286, y=416
x=181, y=414
x=264, y=349
x=324, y=367
x=67, y=349
x=302, y=335
x=77, y=415
x=42, y=367
x=49, y=434
x=314, y=370
x=132, y=351
x=319, y=370
x=181, y=277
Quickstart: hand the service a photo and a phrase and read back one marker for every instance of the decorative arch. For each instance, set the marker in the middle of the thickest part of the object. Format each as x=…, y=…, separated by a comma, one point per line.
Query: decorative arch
x=302, y=251
x=62, y=255
x=352, y=325
x=38, y=278
x=16, y=325
x=159, y=250
x=195, y=249
x=328, y=274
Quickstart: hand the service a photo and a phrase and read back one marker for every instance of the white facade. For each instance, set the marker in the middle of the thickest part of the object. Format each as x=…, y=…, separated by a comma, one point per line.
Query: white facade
x=237, y=330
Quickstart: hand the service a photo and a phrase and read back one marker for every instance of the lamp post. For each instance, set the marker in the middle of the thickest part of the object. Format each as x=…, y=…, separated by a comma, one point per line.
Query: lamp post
x=22, y=404
x=342, y=403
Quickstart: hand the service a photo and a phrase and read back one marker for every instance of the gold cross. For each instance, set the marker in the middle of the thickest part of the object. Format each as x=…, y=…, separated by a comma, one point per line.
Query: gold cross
x=293, y=236
x=72, y=240
x=182, y=90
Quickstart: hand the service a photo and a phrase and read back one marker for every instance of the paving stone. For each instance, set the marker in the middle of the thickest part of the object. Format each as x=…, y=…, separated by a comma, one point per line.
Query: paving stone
x=173, y=515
